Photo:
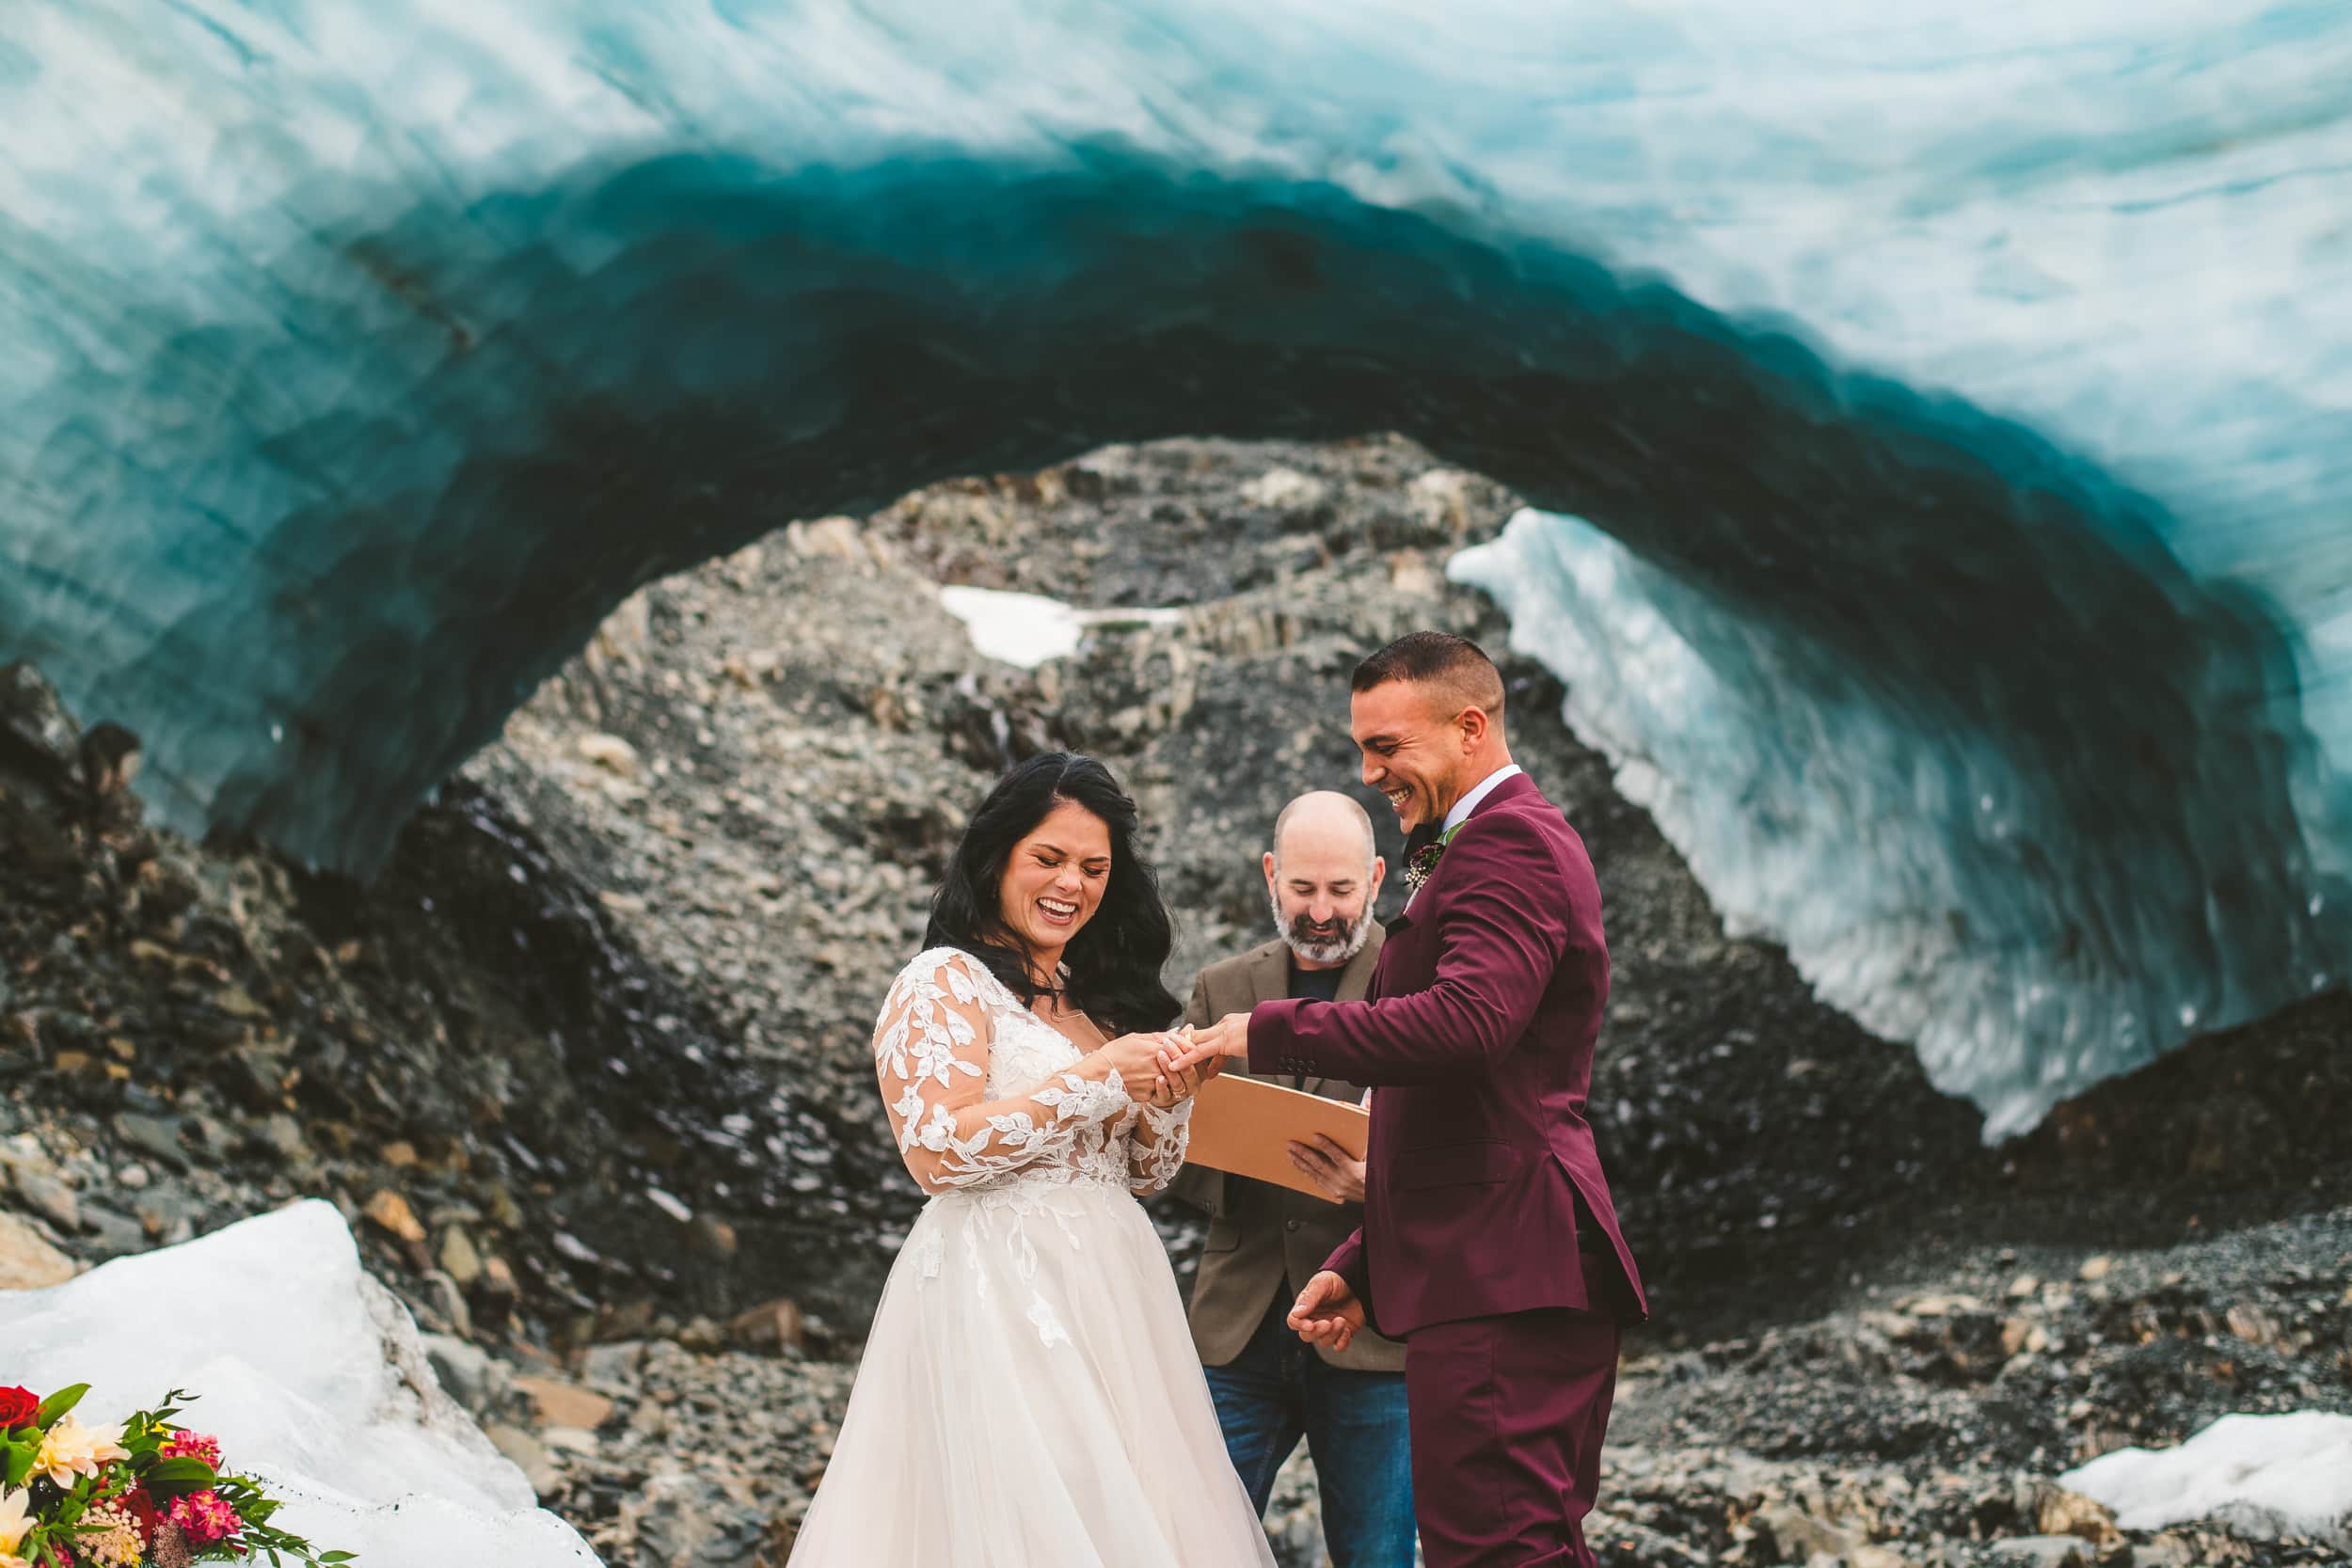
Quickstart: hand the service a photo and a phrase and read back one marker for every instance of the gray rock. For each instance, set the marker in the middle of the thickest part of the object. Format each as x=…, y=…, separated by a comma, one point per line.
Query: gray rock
x=49, y=1197
x=450, y=1301
x=257, y=1076
x=2044, y=1551
x=614, y=1365
x=30, y=708
x=158, y=1137
x=281, y=1135
x=467, y=1372
x=529, y=1456
x=166, y=1213
x=112, y=1232
x=686, y=1521
x=460, y=1259
x=1799, y=1537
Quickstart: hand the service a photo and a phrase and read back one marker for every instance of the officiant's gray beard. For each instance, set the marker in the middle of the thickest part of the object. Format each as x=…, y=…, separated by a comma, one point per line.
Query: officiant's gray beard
x=1337, y=950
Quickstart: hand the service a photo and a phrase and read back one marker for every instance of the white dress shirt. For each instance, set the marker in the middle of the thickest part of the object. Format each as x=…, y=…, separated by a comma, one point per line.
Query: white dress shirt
x=1479, y=791
x=1463, y=807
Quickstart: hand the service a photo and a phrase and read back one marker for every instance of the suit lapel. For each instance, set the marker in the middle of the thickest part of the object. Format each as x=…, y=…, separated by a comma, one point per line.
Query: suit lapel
x=1265, y=977
x=1356, y=979
x=1515, y=787
x=1269, y=973
x=1355, y=985
x=1518, y=787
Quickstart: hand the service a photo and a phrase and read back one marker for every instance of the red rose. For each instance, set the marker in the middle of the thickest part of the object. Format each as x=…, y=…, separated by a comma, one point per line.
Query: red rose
x=18, y=1406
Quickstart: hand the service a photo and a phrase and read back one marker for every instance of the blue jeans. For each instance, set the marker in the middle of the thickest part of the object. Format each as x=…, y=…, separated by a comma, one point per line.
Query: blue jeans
x=1276, y=1390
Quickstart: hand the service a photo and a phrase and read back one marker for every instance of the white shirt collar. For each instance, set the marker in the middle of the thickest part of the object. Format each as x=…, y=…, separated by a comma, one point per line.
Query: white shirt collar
x=1467, y=803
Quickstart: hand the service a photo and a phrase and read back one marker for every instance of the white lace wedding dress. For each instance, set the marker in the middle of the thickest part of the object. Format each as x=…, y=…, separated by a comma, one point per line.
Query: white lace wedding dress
x=1029, y=1397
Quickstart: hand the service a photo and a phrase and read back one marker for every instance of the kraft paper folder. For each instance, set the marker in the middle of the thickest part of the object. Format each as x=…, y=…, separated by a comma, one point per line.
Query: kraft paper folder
x=1246, y=1125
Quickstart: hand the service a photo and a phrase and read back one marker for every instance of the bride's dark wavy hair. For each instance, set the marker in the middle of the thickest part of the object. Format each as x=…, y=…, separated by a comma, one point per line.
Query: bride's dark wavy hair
x=1116, y=958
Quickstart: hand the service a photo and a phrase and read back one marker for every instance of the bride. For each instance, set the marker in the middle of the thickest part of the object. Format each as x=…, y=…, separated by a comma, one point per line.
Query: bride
x=1029, y=1397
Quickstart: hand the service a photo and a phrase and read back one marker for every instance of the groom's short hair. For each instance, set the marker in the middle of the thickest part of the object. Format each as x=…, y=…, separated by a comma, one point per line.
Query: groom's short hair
x=1454, y=664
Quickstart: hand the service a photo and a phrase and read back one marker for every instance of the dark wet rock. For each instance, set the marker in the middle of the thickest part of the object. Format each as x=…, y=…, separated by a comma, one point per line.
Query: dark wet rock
x=602, y=1023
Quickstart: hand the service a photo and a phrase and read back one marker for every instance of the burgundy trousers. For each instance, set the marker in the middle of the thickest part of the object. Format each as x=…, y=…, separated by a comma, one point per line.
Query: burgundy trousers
x=1507, y=1418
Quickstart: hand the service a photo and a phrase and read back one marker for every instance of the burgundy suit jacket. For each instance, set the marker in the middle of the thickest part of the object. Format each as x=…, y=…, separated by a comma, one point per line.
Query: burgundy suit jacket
x=1477, y=1038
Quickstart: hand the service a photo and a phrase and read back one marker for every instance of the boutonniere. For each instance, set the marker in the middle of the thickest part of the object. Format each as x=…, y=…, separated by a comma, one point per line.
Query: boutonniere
x=1424, y=860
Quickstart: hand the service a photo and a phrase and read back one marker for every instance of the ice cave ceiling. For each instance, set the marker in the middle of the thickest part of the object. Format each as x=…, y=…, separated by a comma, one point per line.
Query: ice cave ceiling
x=1941, y=426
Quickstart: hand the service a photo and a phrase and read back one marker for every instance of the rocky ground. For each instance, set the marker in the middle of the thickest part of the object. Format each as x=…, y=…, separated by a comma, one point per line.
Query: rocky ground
x=587, y=1064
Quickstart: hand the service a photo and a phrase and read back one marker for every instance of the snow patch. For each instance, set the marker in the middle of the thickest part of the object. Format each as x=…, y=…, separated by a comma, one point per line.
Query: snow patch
x=2266, y=1477
x=312, y=1376
x=1027, y=630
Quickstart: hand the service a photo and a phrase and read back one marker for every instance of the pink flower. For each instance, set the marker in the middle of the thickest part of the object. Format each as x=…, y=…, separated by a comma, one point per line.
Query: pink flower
x=193, y=1445
x=204, y=1516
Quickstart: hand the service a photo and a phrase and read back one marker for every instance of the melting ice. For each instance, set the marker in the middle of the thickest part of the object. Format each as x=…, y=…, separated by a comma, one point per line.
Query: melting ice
x=311, y=1376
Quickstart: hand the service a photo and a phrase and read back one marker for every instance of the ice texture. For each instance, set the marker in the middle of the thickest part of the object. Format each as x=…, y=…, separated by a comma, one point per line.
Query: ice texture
x=1959, y=403
x=2266, y=1477
x=313, y=1378
x=2040, y=881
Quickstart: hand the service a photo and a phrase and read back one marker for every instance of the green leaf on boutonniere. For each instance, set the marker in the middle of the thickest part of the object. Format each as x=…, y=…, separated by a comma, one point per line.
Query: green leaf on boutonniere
x=19, y=1460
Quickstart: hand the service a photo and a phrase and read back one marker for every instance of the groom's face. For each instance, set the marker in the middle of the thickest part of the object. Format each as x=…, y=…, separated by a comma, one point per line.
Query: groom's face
x=1412, y=748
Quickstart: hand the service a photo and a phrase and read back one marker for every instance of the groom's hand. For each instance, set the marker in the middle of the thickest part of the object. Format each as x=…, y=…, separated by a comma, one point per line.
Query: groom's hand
x=1326, y=1312
x=1214, y=1044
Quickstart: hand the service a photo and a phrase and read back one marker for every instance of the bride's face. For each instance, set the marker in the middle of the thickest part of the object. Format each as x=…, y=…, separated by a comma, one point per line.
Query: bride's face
x=1054, y=878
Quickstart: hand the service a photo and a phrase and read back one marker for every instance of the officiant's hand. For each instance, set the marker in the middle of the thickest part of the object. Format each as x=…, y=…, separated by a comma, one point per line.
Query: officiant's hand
x=1331, y=1167
x=1214, y=1044
x=1326, y=1312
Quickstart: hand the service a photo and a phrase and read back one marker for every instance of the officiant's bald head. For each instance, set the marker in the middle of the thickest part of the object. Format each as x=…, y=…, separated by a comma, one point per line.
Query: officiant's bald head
x=1322, y=876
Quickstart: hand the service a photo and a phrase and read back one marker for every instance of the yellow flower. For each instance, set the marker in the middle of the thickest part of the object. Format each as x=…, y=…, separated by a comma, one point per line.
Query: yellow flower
x=69, y=1450
x=16, y=1522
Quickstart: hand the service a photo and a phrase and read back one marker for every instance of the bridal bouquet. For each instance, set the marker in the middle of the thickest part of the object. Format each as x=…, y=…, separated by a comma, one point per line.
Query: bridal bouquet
x=145, y=1494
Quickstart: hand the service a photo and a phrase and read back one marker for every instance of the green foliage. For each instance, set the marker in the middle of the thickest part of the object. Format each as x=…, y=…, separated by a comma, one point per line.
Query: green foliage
x=60, y=1509
x=183, y=1477
x=57, y=1404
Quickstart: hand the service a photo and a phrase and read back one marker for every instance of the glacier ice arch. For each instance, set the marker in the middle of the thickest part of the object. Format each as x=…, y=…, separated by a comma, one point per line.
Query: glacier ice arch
x=1941, y=427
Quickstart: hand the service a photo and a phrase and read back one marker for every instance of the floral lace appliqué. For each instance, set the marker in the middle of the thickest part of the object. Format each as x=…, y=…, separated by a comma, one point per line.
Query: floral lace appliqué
x=980, y=1090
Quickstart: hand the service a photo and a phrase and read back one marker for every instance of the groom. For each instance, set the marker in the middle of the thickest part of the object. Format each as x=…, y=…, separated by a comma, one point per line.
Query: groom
x=1489, y=1243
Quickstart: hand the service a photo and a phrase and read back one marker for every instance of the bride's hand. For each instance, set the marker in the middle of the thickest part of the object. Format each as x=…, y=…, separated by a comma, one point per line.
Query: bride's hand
x=1175, y=1082
x=1137, y=1059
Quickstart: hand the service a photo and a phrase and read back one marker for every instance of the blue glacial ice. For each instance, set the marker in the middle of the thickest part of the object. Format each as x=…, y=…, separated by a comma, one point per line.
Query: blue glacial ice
x=1941, y=415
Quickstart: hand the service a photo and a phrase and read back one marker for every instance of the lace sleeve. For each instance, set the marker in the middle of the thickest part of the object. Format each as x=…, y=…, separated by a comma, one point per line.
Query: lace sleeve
x=930, y=1051
x=1157, y=1152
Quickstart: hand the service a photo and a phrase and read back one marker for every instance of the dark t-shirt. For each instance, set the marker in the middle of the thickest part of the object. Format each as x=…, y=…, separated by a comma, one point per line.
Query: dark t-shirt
x=1321, y=984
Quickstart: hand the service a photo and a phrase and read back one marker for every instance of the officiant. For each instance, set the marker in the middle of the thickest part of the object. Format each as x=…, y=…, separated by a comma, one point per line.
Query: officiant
x=1266, y=1241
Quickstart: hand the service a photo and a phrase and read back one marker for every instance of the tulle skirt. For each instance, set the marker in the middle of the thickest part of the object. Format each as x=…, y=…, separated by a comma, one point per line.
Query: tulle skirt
x=1029, y=1398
